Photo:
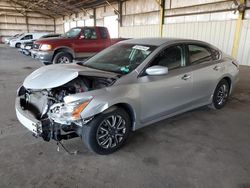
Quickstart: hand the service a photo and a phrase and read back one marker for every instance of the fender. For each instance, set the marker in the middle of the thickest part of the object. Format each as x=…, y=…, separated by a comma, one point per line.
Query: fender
x=100, y=101
x=66, y=49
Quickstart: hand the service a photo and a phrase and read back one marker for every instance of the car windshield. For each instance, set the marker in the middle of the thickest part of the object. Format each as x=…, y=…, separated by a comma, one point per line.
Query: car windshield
x=19, y=36
x=121, y=58
x=72, y=33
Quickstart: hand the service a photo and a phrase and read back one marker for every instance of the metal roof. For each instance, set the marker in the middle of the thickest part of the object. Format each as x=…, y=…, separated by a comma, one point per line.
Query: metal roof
x=56, y=8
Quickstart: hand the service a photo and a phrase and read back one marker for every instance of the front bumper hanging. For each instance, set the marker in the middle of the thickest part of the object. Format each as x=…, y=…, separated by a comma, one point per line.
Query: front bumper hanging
x=44, y=128
x=27, y=119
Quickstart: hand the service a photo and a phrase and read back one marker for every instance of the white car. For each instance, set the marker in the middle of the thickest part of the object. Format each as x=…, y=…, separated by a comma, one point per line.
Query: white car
x=27, y=37
x=8, y=39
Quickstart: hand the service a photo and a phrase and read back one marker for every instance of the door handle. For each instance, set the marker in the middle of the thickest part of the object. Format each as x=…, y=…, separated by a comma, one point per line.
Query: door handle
x=216, y=68
x=186, y=77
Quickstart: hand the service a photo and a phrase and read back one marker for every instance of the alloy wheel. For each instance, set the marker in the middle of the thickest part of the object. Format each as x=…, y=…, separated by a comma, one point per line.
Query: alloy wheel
x=111, y=132
x=222, y=94
x=63, y=60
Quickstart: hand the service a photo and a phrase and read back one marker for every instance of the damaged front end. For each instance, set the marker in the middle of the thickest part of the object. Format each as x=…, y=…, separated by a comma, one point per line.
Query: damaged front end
x=47, y=115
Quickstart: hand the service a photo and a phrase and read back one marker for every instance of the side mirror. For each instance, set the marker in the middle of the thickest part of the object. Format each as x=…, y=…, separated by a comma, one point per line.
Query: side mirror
x=82, y=37
x=157, y=70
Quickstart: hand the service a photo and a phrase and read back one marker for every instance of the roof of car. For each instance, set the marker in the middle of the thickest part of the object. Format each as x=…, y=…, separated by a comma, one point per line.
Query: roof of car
x=158, y=41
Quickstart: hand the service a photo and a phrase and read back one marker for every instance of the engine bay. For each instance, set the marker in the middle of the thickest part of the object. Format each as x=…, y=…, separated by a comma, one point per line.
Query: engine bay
x=79, y=85
x=39, y=101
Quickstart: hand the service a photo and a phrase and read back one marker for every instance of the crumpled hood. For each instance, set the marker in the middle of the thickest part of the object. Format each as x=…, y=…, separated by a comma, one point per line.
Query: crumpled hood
x=52, y=76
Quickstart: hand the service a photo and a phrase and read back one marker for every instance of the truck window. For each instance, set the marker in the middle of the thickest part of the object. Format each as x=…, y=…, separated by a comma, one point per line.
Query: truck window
x=89, y=33
x=72, y=33
x=103, y=33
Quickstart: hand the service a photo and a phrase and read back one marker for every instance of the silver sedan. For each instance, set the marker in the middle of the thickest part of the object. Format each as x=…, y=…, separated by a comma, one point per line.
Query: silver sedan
x=123, y=88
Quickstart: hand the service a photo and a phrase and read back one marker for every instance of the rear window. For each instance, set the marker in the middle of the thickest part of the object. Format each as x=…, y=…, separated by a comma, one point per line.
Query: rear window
x=103, y=33
x=198, y=54
x=215, y=54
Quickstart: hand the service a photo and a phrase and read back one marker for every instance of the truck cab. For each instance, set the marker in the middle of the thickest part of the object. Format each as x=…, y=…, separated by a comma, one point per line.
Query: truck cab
x=78, y=42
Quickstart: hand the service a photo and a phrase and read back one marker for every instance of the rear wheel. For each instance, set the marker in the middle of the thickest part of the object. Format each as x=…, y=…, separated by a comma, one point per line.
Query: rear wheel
x=221, y=95
x=62, y=58
x=18, y=45
x=108, y=131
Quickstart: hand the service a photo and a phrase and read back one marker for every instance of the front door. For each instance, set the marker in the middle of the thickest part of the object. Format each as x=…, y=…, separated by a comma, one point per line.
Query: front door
x=167, y=94
x=88, y=44
x=27, y=38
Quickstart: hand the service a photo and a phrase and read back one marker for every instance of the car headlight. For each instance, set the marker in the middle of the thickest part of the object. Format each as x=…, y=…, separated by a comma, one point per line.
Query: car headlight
x=27, y=47
x=46, y=47
x=67, y=112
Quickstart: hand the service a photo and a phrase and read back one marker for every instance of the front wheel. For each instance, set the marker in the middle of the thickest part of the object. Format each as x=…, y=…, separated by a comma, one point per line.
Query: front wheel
x=107, y=132
x=221, y=95
x=62, y=58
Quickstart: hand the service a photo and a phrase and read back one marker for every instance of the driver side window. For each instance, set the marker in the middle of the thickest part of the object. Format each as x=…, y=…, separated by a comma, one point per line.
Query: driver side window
x=172, y=57
x=27, y=37
x=89, y=33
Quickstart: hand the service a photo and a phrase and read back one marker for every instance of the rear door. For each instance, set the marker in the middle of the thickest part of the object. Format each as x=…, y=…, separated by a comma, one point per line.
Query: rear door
x=207, y=69
x=170, y=93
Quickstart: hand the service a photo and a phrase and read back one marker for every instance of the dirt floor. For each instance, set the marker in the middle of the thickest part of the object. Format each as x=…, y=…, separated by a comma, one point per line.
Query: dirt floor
x=199, y=149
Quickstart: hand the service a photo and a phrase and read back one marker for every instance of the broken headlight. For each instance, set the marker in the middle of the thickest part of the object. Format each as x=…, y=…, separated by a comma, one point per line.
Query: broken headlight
x=61, y=112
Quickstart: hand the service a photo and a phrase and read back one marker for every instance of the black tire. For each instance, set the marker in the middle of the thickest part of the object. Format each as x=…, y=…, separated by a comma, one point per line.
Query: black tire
x=221, y=95
x=47, y=63
x=18, y=45
x=93, y=131
x=62, y=58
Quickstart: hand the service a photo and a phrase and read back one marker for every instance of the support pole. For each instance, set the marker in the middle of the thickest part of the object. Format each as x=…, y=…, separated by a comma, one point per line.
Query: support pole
x=54, y=25
x=94, y=16
x=120, y=11
x=238, y=32
x=119, y=17
x=27, y=22
x=161, y=3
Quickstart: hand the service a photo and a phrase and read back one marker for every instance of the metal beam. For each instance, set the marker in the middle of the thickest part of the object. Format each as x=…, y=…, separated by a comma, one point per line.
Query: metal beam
x=87, y=13
x=115, y=10
x=30, y=5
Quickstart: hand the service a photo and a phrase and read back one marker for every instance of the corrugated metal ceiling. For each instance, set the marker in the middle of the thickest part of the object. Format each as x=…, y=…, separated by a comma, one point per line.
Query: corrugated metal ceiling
x=56, y=8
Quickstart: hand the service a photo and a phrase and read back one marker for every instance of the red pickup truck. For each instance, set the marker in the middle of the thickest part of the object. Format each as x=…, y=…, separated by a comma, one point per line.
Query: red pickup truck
x=78, y=42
